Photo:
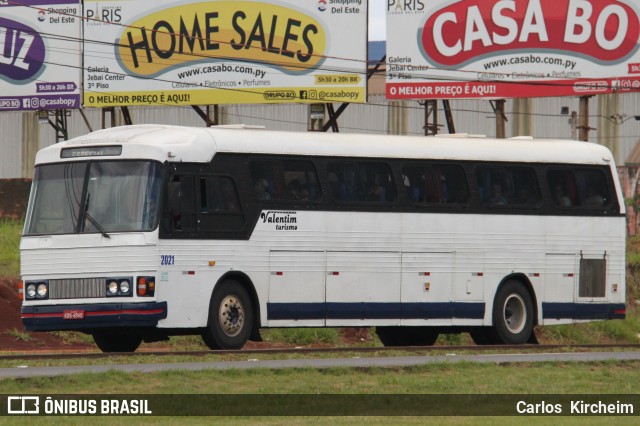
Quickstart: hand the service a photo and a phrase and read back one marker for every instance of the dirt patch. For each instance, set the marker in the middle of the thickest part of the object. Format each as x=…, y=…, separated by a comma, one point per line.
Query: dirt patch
x=13, y=336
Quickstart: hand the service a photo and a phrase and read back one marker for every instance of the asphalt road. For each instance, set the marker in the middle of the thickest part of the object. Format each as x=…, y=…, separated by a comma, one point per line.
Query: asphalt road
x=405, y=361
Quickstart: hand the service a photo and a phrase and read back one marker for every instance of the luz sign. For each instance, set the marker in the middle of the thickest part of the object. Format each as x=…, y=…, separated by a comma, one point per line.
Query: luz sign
x=40, y=57
x=511, y=48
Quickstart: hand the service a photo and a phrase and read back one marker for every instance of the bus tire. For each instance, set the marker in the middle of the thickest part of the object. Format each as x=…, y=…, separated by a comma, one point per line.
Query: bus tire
x=512, y=314
x=122, y=341
x=230, y=317
x=406, y=336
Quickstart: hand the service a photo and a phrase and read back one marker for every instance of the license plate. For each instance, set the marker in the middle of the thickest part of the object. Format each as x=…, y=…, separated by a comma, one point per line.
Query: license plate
x=73, y=315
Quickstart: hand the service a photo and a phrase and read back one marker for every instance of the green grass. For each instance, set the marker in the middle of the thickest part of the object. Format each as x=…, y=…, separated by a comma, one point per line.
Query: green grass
x=302, y=336
x=547, y=379
x=20, y=335
x=10, y=231
x=445, y=378
x=633, y=251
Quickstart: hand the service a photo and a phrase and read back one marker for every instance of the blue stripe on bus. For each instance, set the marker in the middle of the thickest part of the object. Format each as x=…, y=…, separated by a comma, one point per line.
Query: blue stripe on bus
x=297, y=311
x=470, y=310
x=583, y=311
x=51, y=317
x=311, y=311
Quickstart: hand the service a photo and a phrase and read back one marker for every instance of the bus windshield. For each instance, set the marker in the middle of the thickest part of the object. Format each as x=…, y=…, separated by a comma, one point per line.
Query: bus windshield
x=94, y=197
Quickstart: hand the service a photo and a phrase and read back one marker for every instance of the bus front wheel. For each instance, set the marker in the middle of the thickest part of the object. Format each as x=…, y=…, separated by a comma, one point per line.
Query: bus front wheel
x=512, y=314
x=230, y=317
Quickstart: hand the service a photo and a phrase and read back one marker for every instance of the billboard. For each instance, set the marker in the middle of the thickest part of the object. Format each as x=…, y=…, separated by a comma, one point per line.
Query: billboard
x=447, y=49
x=40, y=54
x=218, y=52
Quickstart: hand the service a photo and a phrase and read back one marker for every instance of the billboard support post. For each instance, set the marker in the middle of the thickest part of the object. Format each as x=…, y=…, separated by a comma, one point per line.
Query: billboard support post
x=112, y=112
x=448, y=116
x=430, y=126
x=583, y=127
x=206, y=116
x=501, y=118
x=62, y=134
x=431, y=106
x=126, y=115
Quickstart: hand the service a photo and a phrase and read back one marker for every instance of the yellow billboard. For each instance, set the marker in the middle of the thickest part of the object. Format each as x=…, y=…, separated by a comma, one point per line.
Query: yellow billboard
x=221, y=52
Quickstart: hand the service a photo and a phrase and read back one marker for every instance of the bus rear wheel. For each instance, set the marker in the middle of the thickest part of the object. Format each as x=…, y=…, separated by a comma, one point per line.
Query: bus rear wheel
x=230, y=317
x=512, y=314
x=110, y=341
x=406, y=336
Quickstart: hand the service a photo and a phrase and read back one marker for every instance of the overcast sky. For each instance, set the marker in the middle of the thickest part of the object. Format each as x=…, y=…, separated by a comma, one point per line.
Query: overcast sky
x=377, y=16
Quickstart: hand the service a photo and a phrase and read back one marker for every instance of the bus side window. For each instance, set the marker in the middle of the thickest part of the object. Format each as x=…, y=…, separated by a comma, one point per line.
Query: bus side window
x=289, y=180
x=361, y=182
x=579, y=187
x=301, y=180
x=347, y=185
x=266, y=176
x=181, y=197
x=563, y=188
x=513, y=186
x=220, y=209
x=435, y=183
x=218, y=195
x=378, y=182
x=593, y=188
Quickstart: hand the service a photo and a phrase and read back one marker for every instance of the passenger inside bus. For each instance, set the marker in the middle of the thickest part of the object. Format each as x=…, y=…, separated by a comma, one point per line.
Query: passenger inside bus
x=297, y=191
x=261, y=189
x=497, y=196
x=376, y=193
x=593, y=197
x=527, y=196
x=559, y=196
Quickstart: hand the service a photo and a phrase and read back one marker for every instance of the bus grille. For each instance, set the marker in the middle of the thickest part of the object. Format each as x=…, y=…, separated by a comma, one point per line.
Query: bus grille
x=78, y=288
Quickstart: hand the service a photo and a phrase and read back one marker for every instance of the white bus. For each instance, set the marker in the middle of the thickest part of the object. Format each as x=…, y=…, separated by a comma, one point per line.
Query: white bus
x=141, y=232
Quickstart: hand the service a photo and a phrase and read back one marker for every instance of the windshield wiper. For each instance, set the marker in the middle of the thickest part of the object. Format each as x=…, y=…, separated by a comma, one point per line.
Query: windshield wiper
x=97, y=225
x=92, y=220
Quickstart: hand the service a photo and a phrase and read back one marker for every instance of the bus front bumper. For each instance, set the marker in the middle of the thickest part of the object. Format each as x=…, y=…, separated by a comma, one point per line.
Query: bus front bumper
x=80, y=317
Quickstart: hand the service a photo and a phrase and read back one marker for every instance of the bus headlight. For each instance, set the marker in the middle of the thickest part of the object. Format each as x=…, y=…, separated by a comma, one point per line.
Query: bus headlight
x=120, y=286
x=31, y=291
x=37, y=290
x=124, y=287
x=42, y=290
x=112, y=288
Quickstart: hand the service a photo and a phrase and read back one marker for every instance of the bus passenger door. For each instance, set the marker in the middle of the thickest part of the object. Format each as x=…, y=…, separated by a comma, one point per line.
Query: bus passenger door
x=363, y=288
x=468, y=289
x=296, y=289
x=427, y=288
